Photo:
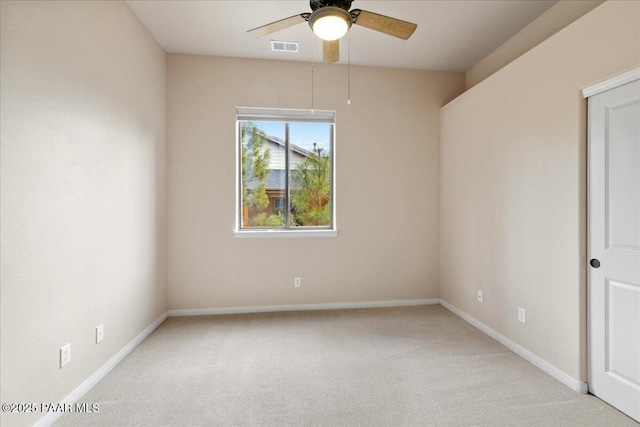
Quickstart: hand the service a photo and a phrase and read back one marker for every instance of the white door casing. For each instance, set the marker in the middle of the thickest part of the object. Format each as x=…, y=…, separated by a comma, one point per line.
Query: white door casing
x=614, y=244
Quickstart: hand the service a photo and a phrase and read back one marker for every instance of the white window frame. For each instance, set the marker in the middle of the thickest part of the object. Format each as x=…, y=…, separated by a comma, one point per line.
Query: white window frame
x=244, y=114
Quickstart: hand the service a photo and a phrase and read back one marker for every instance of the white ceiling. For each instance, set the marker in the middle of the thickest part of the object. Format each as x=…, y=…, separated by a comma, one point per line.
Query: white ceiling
x=451, y=36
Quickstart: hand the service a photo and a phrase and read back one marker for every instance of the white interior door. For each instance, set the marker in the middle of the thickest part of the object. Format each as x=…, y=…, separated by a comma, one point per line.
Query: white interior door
x=614, y=247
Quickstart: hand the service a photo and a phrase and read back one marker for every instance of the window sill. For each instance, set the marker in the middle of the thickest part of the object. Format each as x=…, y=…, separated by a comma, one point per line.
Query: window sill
x=257, y=234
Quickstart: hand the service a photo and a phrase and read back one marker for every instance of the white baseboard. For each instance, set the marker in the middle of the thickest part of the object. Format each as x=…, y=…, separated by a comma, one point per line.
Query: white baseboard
x=90, y=382
x=301, y=307
x=556, y=373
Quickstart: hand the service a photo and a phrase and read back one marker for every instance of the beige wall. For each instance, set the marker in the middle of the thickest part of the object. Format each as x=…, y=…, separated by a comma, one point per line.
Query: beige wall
x=550, y=22
x=387, y=185
x=513, y=162
x=83, y=191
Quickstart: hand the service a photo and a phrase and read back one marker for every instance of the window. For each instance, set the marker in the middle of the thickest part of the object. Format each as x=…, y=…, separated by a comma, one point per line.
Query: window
x=279, y=205
x=285, y=170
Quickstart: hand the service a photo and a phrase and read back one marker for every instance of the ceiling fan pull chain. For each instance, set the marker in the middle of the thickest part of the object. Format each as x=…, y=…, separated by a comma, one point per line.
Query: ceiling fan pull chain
x=312, y=71
x=349, y=68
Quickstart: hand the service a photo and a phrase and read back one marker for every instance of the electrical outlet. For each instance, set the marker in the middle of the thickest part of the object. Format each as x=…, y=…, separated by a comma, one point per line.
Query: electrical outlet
x=297, y=282
x=99, y=333
x=480, y=296
x=65, y=355
x=522, y=315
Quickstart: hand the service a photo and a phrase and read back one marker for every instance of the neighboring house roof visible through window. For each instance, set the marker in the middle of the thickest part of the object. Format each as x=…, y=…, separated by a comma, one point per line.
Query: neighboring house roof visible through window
x=276, y=178
x=293, y=147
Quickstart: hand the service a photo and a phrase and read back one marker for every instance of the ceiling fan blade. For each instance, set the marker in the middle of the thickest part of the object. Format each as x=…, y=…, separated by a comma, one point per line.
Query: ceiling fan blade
x=330, y=51
x=384, y=24
x=277, y=26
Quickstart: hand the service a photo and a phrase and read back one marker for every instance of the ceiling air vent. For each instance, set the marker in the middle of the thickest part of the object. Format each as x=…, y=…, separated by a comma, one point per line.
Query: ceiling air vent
x=278, y=46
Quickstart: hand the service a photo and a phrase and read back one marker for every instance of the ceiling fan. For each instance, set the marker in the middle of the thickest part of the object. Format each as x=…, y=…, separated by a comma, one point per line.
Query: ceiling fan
x=331, y=19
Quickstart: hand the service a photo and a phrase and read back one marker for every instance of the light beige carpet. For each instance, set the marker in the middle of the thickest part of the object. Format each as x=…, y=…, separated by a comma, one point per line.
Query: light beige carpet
x=410, y=366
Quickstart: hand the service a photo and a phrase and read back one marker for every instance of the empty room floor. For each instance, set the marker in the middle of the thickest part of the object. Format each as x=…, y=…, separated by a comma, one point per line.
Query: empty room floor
x=405, y=366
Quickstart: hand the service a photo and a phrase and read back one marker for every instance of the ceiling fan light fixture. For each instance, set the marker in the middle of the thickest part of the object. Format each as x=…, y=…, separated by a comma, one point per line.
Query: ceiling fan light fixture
x=330, y=23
